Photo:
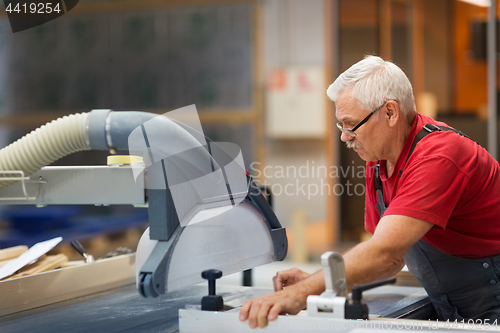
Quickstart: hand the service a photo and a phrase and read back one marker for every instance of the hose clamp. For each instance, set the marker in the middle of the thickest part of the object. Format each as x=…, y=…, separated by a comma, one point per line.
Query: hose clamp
x=107, y=129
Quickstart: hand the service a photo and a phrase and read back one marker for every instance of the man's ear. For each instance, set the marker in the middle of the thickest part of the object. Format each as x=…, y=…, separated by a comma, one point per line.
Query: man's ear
x=392, y=112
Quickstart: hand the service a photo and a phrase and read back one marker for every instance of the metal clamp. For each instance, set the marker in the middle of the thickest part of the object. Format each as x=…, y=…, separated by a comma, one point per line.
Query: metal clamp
x=332, y=302
x=431, y=128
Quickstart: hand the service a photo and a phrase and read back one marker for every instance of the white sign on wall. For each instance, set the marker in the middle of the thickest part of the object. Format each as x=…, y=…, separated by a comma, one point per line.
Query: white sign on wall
x=295, y=104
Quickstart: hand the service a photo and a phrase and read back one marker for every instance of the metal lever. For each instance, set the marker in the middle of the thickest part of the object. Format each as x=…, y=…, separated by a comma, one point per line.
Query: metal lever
x=357, y=290
x=335, y=279
x=358, y=310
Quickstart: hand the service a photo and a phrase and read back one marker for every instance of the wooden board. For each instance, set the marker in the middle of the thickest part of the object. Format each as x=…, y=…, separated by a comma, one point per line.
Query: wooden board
x=12, y=252
x=36, y=290
x=42, y=265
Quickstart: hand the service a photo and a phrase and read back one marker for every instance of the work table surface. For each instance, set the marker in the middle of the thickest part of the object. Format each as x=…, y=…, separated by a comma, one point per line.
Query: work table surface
x=124, y=310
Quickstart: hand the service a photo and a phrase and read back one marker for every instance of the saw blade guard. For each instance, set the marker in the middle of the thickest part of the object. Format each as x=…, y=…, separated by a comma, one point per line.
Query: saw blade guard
x=217, y=229
x=205, y=212
x=232, y=241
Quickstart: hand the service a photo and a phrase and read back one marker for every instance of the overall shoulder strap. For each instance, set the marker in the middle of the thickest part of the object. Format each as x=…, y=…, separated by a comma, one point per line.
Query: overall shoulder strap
x=426, y=130
x=381, y=207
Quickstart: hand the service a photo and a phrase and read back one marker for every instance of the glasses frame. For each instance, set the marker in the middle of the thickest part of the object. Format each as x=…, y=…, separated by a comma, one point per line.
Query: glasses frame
x=350, y=131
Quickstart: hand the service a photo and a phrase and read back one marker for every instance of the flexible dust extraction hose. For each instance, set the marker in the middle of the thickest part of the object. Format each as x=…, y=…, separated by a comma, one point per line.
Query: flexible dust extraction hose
x=45, y=145
x=96, y=130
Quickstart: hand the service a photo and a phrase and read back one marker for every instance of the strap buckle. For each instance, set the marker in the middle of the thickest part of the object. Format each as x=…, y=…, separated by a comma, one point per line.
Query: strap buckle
x=431, y=128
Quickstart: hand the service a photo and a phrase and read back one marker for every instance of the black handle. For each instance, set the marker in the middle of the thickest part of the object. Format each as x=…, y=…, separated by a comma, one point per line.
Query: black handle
x=77, y=246
x=357, y=290
x=358, y=310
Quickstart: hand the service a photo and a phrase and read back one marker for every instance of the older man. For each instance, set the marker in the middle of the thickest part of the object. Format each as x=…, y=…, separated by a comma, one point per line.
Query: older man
x=432, y=202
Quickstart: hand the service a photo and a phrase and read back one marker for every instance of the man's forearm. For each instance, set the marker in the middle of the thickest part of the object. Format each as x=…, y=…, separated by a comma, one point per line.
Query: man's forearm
x=382, y=255
x=378, y=258
x=364, y=263
x=367, y=262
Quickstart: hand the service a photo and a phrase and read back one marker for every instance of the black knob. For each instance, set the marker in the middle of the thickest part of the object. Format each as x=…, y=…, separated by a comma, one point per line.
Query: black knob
x=212, y=302
x=211, y=275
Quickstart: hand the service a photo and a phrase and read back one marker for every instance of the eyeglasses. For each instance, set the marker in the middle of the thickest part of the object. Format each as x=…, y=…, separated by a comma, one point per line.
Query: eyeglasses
x=351, y=131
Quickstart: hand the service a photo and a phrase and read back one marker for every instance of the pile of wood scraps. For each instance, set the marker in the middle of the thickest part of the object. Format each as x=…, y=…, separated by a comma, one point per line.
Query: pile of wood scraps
x=19, y=261
x=44, y=264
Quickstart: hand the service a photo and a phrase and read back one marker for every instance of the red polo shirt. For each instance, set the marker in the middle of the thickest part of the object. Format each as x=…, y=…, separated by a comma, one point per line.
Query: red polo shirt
x=449, y=181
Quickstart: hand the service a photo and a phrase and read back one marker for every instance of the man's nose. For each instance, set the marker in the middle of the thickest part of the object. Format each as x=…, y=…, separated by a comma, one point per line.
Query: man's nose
x=344, y=136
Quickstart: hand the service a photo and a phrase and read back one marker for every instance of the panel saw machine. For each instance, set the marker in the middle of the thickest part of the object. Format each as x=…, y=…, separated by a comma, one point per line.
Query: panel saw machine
x=206, y=215
x=204, y=210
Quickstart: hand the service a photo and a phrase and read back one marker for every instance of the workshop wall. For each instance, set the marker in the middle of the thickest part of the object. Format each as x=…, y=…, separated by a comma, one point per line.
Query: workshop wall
x=470, y=72
x=166, y=57
x=5, y=102
x=294, y=36
x=438, y=66
x=132, y=56
x=149, y=59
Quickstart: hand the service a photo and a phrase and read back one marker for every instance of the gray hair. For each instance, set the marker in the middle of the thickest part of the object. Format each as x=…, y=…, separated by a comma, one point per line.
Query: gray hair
x=373, y=82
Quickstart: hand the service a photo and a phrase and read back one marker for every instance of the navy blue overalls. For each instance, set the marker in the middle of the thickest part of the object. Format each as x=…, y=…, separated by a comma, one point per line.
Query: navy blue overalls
x=459, y=288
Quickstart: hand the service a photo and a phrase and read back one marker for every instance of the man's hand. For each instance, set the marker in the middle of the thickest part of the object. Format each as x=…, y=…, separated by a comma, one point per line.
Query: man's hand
x=290, y=300
x=268, y=307
x=288, y=278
